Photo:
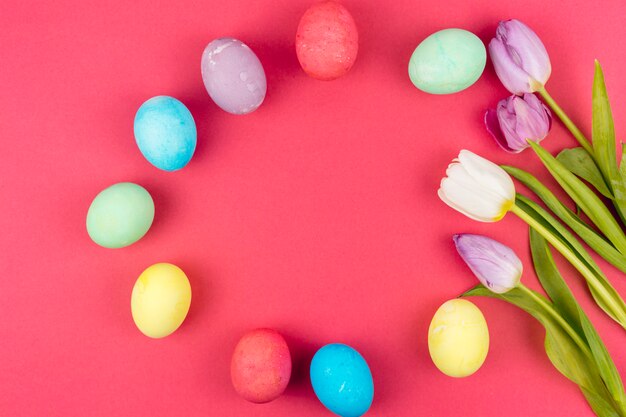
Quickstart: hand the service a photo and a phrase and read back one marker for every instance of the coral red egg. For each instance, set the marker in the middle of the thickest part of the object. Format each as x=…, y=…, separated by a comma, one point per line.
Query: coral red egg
x=327, y=41
x=261, y=366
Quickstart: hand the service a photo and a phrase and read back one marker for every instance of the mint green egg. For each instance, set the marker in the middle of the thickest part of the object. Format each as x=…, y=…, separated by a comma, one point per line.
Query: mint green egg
x=447, y=61
x=120, y=215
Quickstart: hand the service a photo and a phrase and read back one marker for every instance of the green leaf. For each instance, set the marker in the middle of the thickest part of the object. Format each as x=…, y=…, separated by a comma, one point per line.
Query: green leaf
x=578, y=161
x=603, y=135
x=566, y=356
x=597, y=242
x=622, y=165
x=599, y=405
x=565, y=303
x=553, y=283
x=604, y=362
x=607, y=298
x=588, y=201
x=604, y=142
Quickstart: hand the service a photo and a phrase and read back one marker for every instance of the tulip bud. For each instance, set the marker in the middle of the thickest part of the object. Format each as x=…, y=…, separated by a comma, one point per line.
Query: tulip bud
x=477, y=188
x=495, y=265
x=517, y=120
x=519, y=58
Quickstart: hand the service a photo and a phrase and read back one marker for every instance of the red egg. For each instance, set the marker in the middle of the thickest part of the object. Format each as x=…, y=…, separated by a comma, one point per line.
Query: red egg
x=327, y=41
x=261, y=366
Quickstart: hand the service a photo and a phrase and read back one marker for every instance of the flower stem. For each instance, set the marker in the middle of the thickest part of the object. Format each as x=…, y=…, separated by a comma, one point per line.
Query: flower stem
x=587, y=273
x=580, y=137
x=559, y=319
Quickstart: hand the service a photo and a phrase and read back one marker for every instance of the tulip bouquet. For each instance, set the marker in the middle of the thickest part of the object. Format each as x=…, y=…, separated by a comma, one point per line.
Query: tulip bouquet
x=589, y=174
x=572, y=344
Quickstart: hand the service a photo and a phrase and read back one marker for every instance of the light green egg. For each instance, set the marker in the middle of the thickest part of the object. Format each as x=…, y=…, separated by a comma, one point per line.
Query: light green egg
x=120, y=215
x=447, y=61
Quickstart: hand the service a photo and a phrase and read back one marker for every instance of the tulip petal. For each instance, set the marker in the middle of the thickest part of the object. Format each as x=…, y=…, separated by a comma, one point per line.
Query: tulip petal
x=532, y=123
x=495, y=265
x=468, y=197
x=488, y=174
x=493, y=127
x=530, y=50
x=509, y=124
x=512, y=76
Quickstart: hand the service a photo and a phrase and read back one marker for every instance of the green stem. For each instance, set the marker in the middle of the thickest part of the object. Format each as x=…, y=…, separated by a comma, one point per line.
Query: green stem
x=550, y=309
x=566, y=121
x=576, y=262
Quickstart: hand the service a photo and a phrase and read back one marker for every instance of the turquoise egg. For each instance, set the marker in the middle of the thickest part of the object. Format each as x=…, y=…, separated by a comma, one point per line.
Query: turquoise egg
x=342, y=380
x=165, y=133
x=120, y=215
x=447, y=61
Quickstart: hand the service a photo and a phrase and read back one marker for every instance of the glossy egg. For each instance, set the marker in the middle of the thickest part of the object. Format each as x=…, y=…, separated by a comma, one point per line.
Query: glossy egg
x=165, y=133
x=342, y=380
x=120, y=215
x=327, y=41
x=233, y=76
x=260, y=368
x=160, y=300
x=458, y=338
x=447, y=61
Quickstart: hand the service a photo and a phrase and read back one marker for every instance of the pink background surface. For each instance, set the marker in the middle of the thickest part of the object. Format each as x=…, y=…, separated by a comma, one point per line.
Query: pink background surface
x=316, y=215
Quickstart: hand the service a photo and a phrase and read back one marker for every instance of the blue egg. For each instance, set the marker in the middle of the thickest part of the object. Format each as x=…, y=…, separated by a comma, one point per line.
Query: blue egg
x=342, y=380
x=165, y=133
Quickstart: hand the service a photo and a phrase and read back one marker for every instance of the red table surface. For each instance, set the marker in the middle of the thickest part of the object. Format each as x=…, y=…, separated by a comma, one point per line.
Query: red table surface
x=316, y=215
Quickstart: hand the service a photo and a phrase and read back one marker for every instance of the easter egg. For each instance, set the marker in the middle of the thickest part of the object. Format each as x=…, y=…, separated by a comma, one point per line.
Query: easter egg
x=458, y=338
x=261, y=366
x=342, y=380
x=120, y=215
x=327, y=41
x=165, y=133
x=233, y=76
x=447, y=61
x=160, y=300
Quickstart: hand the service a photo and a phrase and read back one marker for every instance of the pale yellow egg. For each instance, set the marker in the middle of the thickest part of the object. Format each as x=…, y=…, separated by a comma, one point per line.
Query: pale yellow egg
x=160, y=300
x=458, y=338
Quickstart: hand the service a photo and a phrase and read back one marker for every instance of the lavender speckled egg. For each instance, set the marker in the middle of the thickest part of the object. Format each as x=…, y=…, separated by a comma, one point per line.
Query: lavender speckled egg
x=233, y=76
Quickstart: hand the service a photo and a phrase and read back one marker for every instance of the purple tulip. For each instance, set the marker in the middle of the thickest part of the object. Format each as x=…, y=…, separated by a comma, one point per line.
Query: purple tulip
x=495, y=265
x=517, y=120
x=519, y=58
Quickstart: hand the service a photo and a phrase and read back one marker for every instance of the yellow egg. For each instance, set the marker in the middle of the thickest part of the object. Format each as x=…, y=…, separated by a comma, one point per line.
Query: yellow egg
x=458, y=338
x=160, y=300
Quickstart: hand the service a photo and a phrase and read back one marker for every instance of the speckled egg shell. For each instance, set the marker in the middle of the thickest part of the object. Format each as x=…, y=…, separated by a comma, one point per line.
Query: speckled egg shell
x=260, y=368
x=165, y=132
x=233, y=76
x=120, y=215
x=447, y=61
x=327, y=41
x=342, y=380
x=160, y=300
x=458, y=338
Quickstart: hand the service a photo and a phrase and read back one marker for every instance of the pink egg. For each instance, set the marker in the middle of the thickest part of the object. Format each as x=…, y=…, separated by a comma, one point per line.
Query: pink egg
x=327, y=41
x=261, y=366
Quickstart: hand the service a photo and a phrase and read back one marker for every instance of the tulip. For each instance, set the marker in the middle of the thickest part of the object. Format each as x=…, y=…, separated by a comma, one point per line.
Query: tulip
x=477, y=188
x=519, y=58
x=495, y=265
x=517, y=120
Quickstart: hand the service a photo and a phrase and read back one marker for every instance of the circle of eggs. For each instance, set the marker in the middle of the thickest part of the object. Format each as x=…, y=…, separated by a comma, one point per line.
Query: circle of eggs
x=120, y=215
x=165, y=133
x=327, y=41
x=458, y=338
x=160, y=300
x=342, y=380
x=447, y=61
x=260, y=368
x=233, y=76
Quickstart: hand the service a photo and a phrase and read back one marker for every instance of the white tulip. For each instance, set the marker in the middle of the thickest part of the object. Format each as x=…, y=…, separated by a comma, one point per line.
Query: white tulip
x=477, y=188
